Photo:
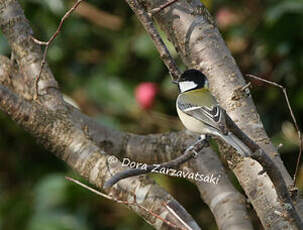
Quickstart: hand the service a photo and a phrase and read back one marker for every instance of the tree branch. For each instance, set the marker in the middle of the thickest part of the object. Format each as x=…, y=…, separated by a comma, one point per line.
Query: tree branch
x=222, y=198
x=272, y=171
x=134, y=203
x=147, y=22
x=225, y=202
x=56, y=132
x=157, y=148
x=190, y=152
x=201, y=46
x=18, y=32
x=127, y=137
x=47, y=44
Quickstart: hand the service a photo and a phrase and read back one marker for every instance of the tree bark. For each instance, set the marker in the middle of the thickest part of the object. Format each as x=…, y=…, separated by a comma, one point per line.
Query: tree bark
x=86, y=145
x=191, y=29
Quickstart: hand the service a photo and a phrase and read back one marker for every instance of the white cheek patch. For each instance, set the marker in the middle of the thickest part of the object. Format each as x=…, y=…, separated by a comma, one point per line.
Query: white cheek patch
x=187, y=85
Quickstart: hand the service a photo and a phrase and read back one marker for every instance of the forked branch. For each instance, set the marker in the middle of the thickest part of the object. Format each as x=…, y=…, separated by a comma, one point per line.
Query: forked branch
x=47, y=43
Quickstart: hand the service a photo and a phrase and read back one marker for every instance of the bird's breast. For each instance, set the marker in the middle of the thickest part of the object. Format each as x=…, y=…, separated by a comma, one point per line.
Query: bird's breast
x=190, y=123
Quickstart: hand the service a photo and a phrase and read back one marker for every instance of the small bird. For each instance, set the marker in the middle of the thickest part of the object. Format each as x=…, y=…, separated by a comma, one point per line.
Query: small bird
x=200, y=112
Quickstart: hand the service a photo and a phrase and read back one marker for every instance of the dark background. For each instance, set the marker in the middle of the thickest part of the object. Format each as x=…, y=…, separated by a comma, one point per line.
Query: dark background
x=99, y=68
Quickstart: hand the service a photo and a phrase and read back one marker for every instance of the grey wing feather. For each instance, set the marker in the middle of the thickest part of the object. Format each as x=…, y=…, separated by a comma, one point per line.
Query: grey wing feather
x=214, y=117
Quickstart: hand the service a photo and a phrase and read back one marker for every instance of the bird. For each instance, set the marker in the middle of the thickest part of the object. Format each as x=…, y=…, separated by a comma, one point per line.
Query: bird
x=200, y=112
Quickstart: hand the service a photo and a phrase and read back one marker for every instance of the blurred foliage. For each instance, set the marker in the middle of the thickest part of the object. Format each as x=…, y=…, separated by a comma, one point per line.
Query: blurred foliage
x=99, y=69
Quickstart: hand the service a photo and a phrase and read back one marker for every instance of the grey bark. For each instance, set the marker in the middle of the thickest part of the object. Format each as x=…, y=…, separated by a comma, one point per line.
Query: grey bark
x=49, y=120
x=199, y=43
x=20, y=78
x=195, y=37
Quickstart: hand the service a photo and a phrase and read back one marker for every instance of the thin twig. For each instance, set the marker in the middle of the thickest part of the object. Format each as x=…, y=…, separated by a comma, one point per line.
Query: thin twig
x=149, y=26
x=163, y=6
x=176, y=215
x=292, y=116
x=124, y=202
x=46, y=44
x=189, y=153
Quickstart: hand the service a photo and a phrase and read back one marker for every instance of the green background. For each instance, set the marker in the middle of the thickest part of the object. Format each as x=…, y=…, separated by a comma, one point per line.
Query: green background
x=99, y=69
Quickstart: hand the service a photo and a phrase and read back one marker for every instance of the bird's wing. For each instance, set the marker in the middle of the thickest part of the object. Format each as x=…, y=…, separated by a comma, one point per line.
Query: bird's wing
x=214, y=117
x=211, y=115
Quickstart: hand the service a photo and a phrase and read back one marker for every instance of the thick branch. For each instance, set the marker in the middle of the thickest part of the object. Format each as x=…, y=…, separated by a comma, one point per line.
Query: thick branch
x=126, y=138
x=201, y=46
x=225, y=202
x=157, y=148
x=222, y=198
x=57, y=133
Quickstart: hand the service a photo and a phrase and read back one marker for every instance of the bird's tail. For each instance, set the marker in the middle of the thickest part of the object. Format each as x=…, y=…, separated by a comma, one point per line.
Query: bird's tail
x=236, y=143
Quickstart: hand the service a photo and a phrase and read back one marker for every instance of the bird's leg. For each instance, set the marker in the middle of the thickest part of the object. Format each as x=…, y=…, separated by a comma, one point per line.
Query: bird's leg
x=204, y=137
x=202, y=142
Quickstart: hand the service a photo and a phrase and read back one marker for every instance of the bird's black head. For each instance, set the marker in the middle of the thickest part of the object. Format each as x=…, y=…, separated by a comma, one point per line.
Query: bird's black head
x=192, y=79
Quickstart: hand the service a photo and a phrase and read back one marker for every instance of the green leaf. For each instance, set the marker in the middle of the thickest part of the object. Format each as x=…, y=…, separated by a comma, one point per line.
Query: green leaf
x=274, y=13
